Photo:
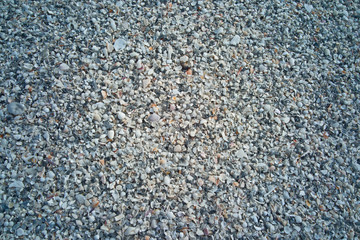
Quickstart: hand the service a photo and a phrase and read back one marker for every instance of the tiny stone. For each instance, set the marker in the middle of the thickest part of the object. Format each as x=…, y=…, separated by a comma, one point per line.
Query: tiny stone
x=113, y=24
x=170, y=215
x=241, y=154
x=121, y=116
x=20, y=232
x=177, y=148
x=356, y=166
x=131, y=231
x=308, y=7
x=111, y=134
x=167, y=180
x=97, y=117
x=15, y=108
x=119, y=44
x=219, y=30
x=172, y=107
x=292, y=61
x=154, y=118
x=235, y=41
x=184, y=59
x=262, y=167
x=64, y=67
x=286, y=119
x=277, y=120
x=50, y=174
x=298, y=219
x=17, y=184
x=327, y=52
x=28, y=66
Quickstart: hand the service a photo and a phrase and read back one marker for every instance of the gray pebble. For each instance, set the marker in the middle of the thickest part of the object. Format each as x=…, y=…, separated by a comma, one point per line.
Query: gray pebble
x=298, y=219
x=20, y=232
x=64, y=67
x=241, y=154
x=131, y=231
x=17, y=184
x=15, y=108
x=154, y=118
x=235, y=40
x=120, y=44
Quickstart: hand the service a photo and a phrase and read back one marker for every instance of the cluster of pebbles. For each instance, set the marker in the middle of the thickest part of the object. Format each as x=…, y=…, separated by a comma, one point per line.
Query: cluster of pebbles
x=179, y=119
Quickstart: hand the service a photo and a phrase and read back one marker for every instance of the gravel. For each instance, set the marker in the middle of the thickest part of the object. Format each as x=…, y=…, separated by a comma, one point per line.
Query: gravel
x=179, y=120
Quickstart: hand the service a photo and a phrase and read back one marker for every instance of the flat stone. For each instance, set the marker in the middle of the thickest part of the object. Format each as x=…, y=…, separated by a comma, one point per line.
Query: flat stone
x=154, y=118
x=235, y=40
x=64, y=67
x=131, y=231
x=167, y=180
x=177, y=148
x=241, y=154
x=15, y=108
x=17, y=184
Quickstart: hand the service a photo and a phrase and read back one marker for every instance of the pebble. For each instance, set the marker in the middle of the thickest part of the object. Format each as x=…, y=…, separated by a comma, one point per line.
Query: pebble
x=167, y=180
x=28, y=66
x=177, y=148
x=15, y=108
x=97, y=116
x=64, y=67
x=285, y=120
x=20, y=232
x=154, y=118
x=119, y=44
x=308, y=7
x=241, y=154
x=298, y=219
x=192, y=133
x=184, y=59
x=170, y=215
x=121, y=116
x=17, y=184
x=327, y=52
x=172, y=107
x=111, y=134
x=262, y=167
x=50, y=174
x=131, y=231
x=235, y=40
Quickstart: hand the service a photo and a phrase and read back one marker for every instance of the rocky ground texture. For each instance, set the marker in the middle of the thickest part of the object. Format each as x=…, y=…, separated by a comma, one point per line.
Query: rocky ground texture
x=179, y=119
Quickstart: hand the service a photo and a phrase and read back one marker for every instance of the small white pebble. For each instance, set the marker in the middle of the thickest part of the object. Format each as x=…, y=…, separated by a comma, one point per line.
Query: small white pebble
x=170, y=215
x=64, y=67
x=167, y=180
x=286, y=119
x=177, y=148
x=111, y=134
x=235, y=40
